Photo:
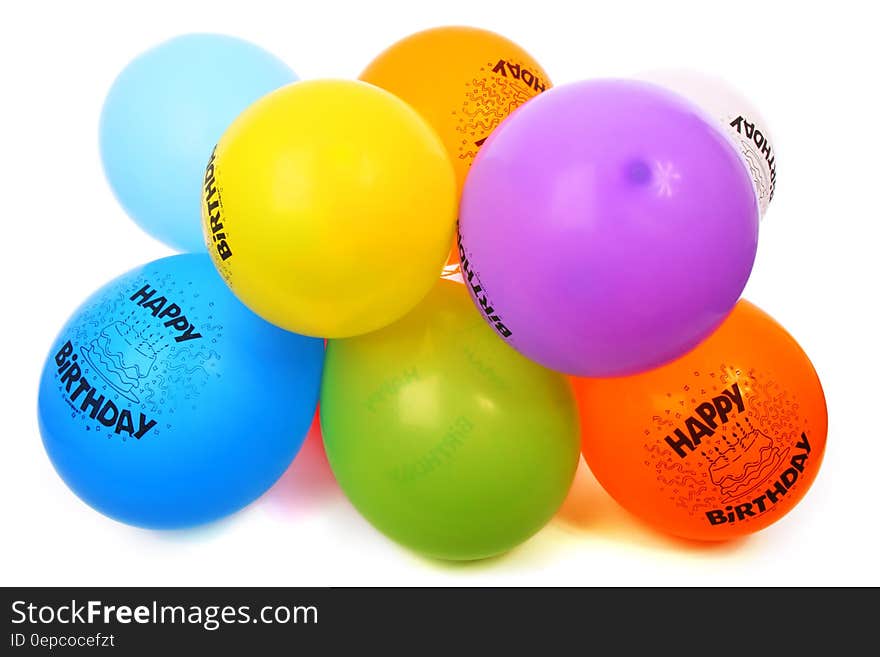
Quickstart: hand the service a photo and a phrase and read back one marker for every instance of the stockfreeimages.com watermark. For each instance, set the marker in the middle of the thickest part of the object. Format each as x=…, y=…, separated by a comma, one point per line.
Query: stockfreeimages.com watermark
x=209, y=617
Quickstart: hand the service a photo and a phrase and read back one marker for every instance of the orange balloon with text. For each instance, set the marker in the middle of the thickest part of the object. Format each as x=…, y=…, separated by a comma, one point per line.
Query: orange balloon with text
x=717, y=444
x=464, y=81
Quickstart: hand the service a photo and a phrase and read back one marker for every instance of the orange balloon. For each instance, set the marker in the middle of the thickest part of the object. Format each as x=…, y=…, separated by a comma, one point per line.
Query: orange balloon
x=720, y=443
x=463, y=81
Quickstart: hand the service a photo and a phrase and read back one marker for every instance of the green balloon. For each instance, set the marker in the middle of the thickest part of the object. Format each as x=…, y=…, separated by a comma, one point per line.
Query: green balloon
x=442, y=436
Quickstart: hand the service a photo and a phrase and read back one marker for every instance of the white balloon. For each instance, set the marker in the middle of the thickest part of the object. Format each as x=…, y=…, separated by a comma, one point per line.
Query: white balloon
x=743, y=124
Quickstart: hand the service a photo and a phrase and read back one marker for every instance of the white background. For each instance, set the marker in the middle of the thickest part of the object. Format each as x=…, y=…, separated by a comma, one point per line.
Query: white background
x=810, y=69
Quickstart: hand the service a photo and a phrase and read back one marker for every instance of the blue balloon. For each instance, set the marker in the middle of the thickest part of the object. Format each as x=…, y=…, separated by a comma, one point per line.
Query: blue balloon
x=166, y=403
x=164, y=114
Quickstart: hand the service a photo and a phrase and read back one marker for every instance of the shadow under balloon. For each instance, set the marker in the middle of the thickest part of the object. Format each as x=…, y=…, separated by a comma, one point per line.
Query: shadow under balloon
x=590, y=509
x=197, y=534
x=308, y=486
x=588, y=512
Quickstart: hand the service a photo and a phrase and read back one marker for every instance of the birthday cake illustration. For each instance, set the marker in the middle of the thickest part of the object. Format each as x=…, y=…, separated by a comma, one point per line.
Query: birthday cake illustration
x=746, y=464
x=122, y=357
x=753, y=161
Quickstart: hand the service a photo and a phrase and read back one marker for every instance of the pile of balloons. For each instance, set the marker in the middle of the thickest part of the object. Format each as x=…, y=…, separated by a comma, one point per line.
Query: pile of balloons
x=499, y=292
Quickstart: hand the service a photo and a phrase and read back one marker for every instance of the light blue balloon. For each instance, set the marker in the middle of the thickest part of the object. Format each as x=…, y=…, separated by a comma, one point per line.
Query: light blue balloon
x=166, y=403
x=164, y=114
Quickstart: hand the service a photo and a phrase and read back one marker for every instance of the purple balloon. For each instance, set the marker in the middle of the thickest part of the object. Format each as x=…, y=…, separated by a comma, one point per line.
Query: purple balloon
x=607, y=227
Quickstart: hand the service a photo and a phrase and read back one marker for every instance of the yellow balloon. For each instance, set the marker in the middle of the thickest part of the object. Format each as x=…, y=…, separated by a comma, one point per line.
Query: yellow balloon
x=329, y=207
